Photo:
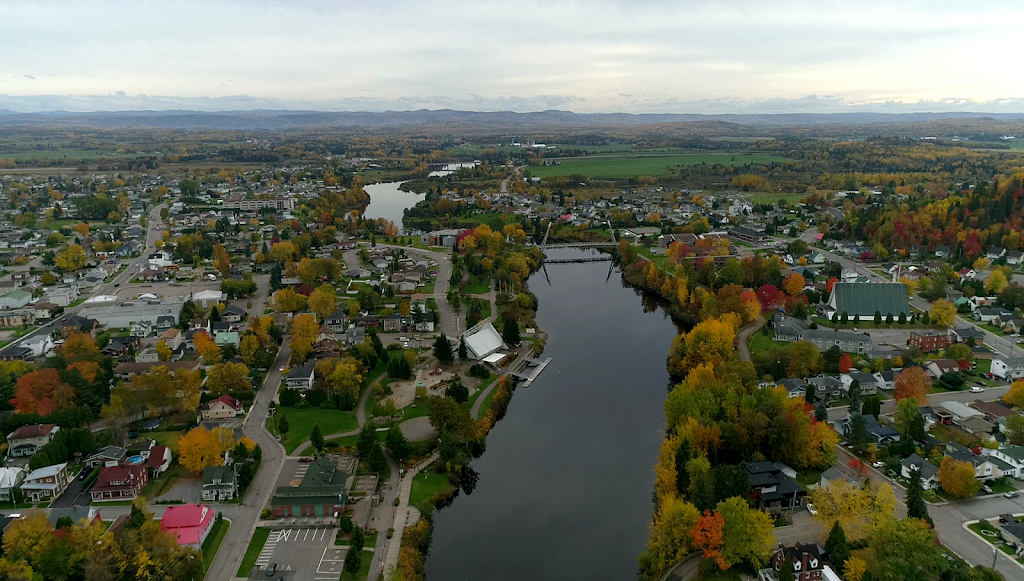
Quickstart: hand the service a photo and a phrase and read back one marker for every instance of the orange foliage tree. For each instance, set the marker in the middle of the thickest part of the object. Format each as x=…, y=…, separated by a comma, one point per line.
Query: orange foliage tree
x=913, y=382
x=707, y=536
x=41, y=392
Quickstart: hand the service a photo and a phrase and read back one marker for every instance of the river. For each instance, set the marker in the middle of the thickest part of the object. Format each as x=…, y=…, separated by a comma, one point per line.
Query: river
x=387, y=201
x=566, y=481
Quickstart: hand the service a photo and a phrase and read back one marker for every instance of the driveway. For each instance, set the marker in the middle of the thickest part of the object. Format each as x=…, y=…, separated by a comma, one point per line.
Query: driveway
x=73, y=496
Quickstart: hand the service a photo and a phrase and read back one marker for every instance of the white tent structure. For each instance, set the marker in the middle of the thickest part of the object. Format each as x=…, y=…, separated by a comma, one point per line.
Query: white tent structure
x=482, y=340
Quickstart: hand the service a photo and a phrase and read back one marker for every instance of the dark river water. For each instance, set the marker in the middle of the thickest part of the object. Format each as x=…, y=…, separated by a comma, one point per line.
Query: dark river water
x=566, y=481
x=387, y=201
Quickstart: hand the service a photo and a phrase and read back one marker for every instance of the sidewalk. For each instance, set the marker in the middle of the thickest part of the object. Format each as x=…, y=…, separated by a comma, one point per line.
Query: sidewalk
x=405, y=489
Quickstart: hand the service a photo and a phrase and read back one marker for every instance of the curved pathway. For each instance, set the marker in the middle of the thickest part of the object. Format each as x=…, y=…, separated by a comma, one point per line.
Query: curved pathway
x=474, y=412
x=744, y=334
x=360, y=417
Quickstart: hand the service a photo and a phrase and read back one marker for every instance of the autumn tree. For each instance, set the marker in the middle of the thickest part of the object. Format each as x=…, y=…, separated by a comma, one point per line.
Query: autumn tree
x=858, y=510
x=747, y=534
x=1015, y=396
x=163, y=351
x=287, y=300
x=206, y=348
x=224, y=377
x=671, y=536
x=83, y=229
x=906, y=549
x=709, y=342
x=845, y=363
x=804, y=359
x=942, y=313
x=707, y=536
x=304, y=331
x=995, y=283
x=793, y=284
x=70, y=259
x=79, y=347
x=957, y=478
x=321, y=302
x=913, y=382
x=200, y=448
x=42, y=392
x=855, y=567
x=249, y=349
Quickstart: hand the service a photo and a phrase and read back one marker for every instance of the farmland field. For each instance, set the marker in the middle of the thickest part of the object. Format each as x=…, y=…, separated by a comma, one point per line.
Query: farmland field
x=771, y=198
x=654, y=164
x=65, y=153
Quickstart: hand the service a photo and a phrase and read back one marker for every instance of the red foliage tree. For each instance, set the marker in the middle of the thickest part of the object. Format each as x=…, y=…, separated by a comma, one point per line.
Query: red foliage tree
x=831, y=283
x=34, y=393
x=845, y=363
x=769, y=296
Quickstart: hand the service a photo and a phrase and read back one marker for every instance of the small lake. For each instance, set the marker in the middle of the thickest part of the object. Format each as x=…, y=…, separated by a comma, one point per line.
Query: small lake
x=566, y=481
x=387, y=201
x=451, y=168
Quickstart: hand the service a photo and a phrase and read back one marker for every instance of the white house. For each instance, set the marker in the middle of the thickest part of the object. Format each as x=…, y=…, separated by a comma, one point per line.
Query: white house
x=301, y=378
x=929, y=472
x=1008, y=368
x=1012, y=455
x=160, y=259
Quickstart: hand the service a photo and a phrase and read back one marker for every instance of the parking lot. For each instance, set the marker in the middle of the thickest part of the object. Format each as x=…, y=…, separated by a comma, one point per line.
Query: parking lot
x=305, y=553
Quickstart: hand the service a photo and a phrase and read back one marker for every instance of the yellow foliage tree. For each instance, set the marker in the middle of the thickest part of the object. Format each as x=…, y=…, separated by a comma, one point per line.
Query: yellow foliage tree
x=228, y=377
x=70, y=259
x=942, y=313
x=321, y=302
x=1015, y=396
x=957, y=478
x=163, y=351
x=858, y=510
x=709, y=342
x=996, y=281
x=199, y=449
x=854, y=569
x=206, y=348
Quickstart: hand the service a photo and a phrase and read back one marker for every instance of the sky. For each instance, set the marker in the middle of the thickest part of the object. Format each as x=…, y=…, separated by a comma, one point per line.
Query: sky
x=639, y=56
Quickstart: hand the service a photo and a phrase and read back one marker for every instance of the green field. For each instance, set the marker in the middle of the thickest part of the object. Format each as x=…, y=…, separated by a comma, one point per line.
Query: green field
x=652, y=164
x=425, y=485
x=301, y=422
x=65, y=153
x=771, y=198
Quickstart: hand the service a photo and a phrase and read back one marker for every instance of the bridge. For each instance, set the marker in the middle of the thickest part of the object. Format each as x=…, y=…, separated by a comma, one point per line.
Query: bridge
x=602, y=258
x=545, y=246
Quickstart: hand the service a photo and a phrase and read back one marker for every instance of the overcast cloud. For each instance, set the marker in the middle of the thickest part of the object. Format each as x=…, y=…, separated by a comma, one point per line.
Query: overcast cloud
x=641, y=56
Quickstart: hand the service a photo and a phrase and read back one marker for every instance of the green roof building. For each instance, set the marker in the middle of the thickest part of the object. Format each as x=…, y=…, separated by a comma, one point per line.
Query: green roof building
x=321, y=493
x=867, y=298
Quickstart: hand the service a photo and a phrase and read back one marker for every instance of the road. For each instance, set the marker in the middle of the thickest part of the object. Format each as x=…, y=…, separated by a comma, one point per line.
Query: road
x=244, y=515
x=889, y=405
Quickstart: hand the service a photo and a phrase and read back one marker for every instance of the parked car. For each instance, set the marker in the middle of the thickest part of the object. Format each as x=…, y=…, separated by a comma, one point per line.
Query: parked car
x=88, y=469
x=878, y=464
x=976, y=389
x=271, y=569
x=305, y=460
x=986, y=489
x=1012, y=494
x=281, y=369
x=811, y=509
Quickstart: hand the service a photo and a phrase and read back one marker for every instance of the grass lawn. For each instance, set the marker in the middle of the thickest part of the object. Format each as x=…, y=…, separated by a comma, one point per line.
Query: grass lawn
x=760, y=342
x=155, y=488
x=425, y=485
x=301, y=422
x=644, y=163
x=1002, y=485
x=982, y=366
x=772, y=198
x=659, y=259
x=252, y=552
x=168, y=438
x=365, y=560
x=983, y=525
x=213, y=541
x=480, y=389
x=869, y=323
x=481, y=287
x=808, y=477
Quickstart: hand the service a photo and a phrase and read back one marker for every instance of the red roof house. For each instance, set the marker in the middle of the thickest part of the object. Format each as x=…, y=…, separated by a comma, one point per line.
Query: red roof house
x=189, y=523
x=120, y=482
x=159, y=460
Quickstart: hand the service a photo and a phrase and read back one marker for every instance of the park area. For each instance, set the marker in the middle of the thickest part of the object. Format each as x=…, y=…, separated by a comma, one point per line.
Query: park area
x=640, y=163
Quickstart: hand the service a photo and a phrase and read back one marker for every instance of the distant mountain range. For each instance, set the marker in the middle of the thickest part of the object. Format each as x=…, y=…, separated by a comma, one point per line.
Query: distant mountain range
x=283, y=120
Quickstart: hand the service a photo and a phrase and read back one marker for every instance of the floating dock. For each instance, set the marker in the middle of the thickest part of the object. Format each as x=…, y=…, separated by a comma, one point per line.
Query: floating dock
x=531, y=371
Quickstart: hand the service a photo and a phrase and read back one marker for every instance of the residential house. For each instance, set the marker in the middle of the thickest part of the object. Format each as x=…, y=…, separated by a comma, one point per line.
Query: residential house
x=224, y=407
x=106, y=456
x=796, y=387
x=15, y=299
x=771, y=488
x=45, y=484
x=939, y=367
x=125, y=371
x=158, y=461
x=172, y=338
x=301, y=377
x=994, y=411
x=1013, y=456
x=336, y=321
x=27, y=440
x=877, y=433
x=123, y=482
x=11, y=478
x=800, y=562
x=929, y=472
x=1008, y=368
x=1013, y=533
x=147, y=355
x=869, y=384
x=887, y=379
x=77, y=324
x=189, y=523
x=219, y=483
x=991, y=315
x=233, y=314
x=984, y=466
x=826, y=387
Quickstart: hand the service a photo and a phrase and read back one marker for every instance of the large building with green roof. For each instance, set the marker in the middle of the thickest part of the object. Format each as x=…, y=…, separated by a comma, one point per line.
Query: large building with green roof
x=864, y=299
x=322, y=492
